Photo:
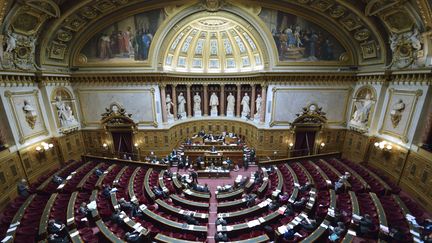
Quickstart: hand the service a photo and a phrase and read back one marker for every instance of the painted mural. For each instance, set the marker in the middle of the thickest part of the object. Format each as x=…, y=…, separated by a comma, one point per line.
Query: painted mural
x=300, y=40
x=127, y=40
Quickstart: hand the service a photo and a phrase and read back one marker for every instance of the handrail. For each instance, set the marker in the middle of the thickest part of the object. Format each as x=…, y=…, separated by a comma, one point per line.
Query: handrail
x=300, y=158
x=88, y=157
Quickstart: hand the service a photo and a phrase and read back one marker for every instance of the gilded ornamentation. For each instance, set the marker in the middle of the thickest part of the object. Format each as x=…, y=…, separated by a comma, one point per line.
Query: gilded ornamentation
x=322, y=5
x=368, y=50
x=398, y=21
x=362, y=35
x=337, y=11
x=351, y=22
x=405, y=48
x=311, y=114
x=74, y=23
x=64, y=36
x=396, y=112
x=104, y=5
x=89, y=12
x=57, y=51
x=213, y=5
x=116, y=115
x=19, y=52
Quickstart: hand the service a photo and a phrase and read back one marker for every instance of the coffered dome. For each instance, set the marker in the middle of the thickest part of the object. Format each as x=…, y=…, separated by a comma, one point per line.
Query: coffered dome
x=213, y=44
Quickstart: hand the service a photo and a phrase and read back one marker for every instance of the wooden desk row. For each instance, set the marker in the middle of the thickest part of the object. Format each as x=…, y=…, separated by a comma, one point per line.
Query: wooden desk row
x=225, y=206
x=335, y=171
x=49, y=179
x=10, y=234
x=187, y=203
x=230, y=195
x=349, y=236
x=123, y=162
x=203, y=217
x=172, y=224
x=354, y=173
x=43, y=222
x=72, y=174
x=245, y=213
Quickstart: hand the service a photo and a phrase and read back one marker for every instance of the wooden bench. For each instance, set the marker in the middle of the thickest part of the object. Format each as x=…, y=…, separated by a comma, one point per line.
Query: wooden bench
x=14, y=225
x=187, y=203
x=335, y=171
x=166, y=239
x=245, y=213
x=147, y=188
x=349, y=236
x=413, y=230
x=70, y=213
x=264, y=185
x=131, y=191
x=42, y=186
x=225, y=206
x=102, y=177
x=317, y=233
x=180, y=212
x=354, y=173
x=43, y=223
x=295, y=192
x=81, y=184
x=200, y=196
x=72, y=174
x=230, y=195
x=306, y=172
x=257, y=239
x=381, y=214
x=322, y=173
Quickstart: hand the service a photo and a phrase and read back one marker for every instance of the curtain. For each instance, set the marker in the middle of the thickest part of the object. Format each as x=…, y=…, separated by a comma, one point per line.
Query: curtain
x=304, y=143
x=122, y=143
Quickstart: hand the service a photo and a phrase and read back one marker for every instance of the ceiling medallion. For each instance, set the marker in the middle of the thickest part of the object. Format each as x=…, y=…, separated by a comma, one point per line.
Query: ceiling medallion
x=213, y=5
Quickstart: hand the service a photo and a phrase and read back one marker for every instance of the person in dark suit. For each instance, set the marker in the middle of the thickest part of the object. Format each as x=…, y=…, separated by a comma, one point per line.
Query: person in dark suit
x=106, y=191
x=190, y=219
x=308, y=224
x=84, y=210
x=365, y=225
x=57, y=180
x=23, y=188
x=134, y=236
x=194, y=176
x=57, y=227
x=98, y=172
x=54, y=238
x=245, y=162
x=221, y=221
x=306, y=187
x=219, y=236
x=299, y=204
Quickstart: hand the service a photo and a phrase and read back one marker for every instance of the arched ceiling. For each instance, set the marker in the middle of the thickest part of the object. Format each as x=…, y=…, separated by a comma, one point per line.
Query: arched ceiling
x=48, y=32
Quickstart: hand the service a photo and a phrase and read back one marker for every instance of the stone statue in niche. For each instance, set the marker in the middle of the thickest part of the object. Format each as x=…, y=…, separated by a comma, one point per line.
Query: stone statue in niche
x=197, y=104
x=396, y=112
x=30, y=114
x=64, y=113
x=169, y=105
x=362, y=111
x=245, y=103
x=214, y=102
x=230, y=104
x=258, y=103
x=181, y=110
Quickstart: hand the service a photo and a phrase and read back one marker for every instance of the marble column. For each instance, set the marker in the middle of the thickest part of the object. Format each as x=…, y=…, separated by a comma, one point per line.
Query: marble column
x=238, y=110
x=189, y=100
x=163, y=102
x=264, y=102
x=222, y=100
x=174, y=100
x=206, y=101
x=253, y=101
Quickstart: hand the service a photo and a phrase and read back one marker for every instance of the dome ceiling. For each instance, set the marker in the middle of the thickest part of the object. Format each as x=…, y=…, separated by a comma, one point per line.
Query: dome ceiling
x=214, y=44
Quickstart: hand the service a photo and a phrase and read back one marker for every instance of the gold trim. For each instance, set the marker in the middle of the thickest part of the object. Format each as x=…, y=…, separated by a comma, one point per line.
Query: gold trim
x=22, y=138
x=144, y=91
x=403, y=137
x=273, y=122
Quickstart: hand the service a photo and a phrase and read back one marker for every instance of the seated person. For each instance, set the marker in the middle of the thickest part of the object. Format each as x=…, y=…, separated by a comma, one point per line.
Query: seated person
x=201, y=133
x=219, y=236
x=57, y=227
x=221, y=221
x=273, y=205
x=23, y=188
x=283, y=198
x=125, y=205
x=115, y=217
x=396, y=235
x=57, y=180
x=159, y=192
x=290, y=233
x=299, y=204
x=250, y=200
x=426, y=226
x=308, y=224
x=168, y=173
x=106, y=191
x=205, y=188
x=98, y=172
x=229, y=162
x=338, y=185
x=190, y=219
x=134, y=236
x=289, y=211
x=54, y=238
x=337, y=232
x=365, y=225
x=306, y=187
x=213, y=149
x=236, y=168
x=83, y=210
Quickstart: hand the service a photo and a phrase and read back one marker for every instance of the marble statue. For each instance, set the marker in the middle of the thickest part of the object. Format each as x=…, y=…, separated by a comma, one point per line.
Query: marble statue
x=181, y=101
x=11, y=42
x=230, y=103
x=197, y=103
x=362, y=110
x=30, y=114
x=245, y=103
x=258, y=103
x=169, y=105
x=396, y=112
x=214, y=102
x=70, y=118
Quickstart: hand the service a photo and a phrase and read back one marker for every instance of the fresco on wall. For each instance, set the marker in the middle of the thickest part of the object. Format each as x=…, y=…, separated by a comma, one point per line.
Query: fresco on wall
x=300, y=40
x=127, y=40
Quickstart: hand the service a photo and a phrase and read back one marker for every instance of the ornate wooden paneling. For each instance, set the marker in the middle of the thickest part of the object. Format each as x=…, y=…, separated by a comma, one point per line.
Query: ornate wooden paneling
x=11, y=172
x=355, y=146
x=391, y=162
x=417, y=177
x=333, y=139
x=71, y=146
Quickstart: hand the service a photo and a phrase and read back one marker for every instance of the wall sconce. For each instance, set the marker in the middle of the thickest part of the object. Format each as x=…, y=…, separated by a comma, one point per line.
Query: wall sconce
x=105, y=146
x=136, y=145
x=290, y=146
x=44, y=147
x=322, y=145
x=383, y=145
